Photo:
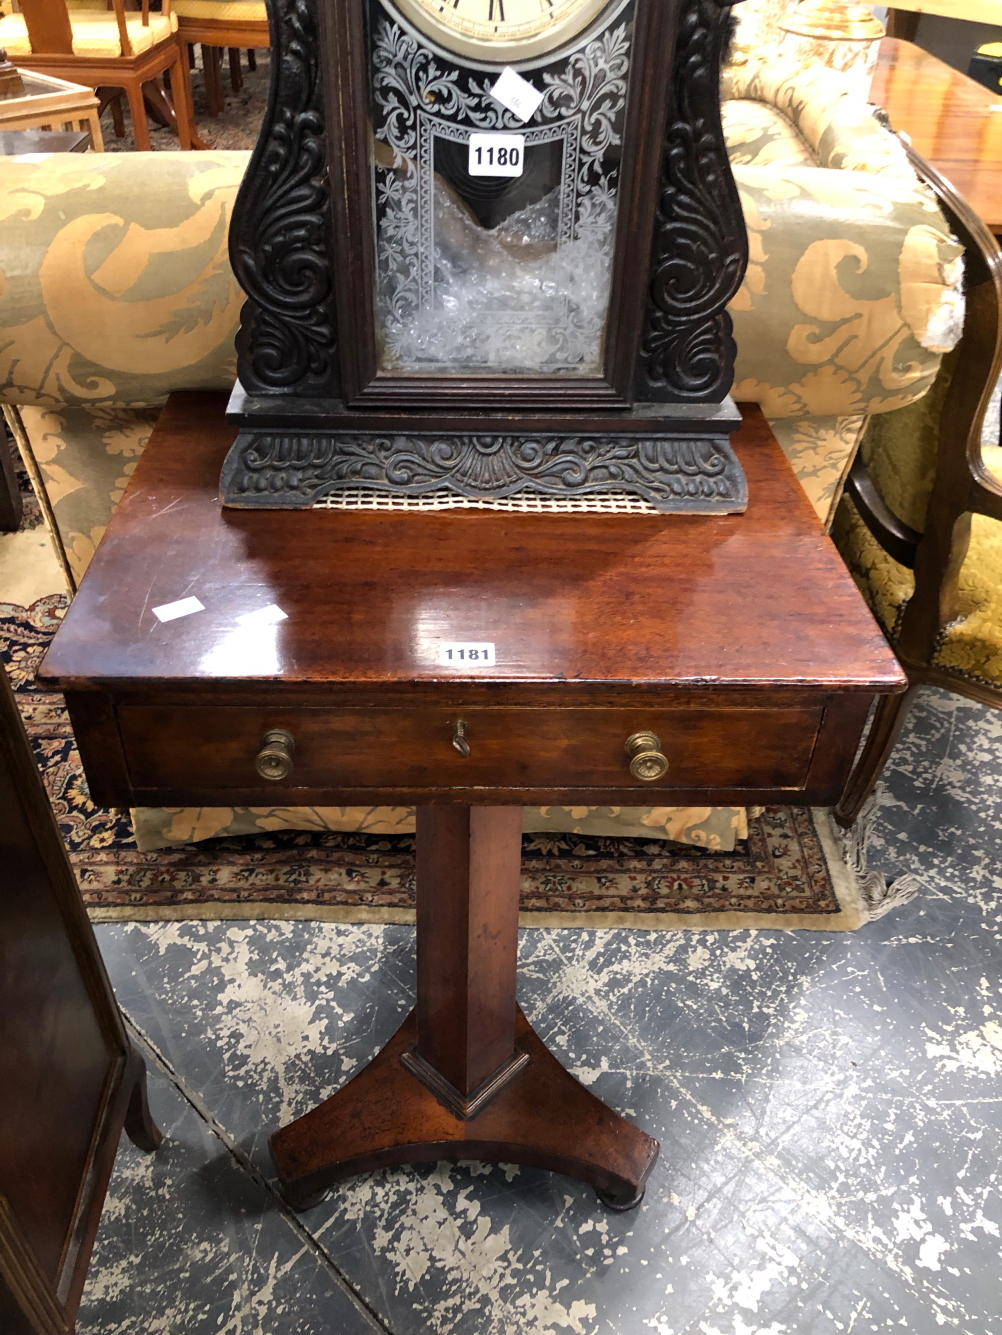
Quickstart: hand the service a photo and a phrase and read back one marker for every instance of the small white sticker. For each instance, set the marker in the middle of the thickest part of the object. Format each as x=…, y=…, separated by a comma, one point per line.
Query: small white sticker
x=182, y=608
x=517, y=94
x=466, y=653
x=497, y=154
x=264, y=616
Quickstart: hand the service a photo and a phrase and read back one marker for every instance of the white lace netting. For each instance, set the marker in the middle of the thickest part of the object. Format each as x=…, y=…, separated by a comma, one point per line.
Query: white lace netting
x=522, y=502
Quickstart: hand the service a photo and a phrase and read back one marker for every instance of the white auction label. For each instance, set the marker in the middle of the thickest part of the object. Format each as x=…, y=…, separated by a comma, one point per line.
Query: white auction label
x=466, y=653
x=517, y=94
x=264, y=616
x=182, y=608
x=497, y=154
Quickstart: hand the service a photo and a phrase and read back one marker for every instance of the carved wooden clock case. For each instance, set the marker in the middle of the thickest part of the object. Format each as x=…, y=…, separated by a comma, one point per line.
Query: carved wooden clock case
x=414, y=326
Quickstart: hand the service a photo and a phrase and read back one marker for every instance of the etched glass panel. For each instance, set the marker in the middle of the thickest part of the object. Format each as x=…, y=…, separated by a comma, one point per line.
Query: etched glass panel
x=494, y=274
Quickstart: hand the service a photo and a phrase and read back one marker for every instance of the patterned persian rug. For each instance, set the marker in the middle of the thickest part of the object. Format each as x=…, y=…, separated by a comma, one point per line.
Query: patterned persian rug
x=788, y=873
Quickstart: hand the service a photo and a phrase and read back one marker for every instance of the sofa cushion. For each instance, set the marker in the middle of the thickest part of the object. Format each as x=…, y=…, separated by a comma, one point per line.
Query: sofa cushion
x=117, y=285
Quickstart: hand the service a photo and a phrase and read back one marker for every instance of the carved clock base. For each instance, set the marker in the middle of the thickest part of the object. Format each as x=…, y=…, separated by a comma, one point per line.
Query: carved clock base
x=683, y=463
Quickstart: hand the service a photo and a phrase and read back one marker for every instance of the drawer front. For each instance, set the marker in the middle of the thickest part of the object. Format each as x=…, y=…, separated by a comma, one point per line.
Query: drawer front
x=217, y=747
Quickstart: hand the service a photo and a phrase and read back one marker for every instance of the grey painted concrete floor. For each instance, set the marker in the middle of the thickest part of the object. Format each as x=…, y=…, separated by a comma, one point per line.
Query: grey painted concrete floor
x=828, y=1107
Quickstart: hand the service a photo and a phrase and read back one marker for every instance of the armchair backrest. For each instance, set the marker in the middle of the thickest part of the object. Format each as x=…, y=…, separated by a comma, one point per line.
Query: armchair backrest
x=50, y=28
x=917, y=481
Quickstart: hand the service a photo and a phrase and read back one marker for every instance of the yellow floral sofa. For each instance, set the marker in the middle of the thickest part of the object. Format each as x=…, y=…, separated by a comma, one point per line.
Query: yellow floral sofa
x=115, y=289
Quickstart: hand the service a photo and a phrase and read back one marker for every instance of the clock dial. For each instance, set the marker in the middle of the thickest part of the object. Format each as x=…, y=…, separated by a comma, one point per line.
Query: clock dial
x=501, y=30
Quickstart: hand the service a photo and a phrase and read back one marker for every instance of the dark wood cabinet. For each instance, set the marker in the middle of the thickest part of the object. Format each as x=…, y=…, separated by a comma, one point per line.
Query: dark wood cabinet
x=69, y=1077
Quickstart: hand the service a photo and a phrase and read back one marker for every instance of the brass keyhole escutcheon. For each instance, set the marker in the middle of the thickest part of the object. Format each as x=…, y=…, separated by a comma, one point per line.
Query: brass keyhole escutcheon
x=459, y=739
x=274, y=760
x=646, y=761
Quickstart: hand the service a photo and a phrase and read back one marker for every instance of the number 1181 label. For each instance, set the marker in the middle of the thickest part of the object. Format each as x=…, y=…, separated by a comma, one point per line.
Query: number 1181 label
x=497, y=154
x=466, y=653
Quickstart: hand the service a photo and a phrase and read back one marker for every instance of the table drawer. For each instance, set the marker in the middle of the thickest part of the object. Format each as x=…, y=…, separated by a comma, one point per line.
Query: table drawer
x=217, y=747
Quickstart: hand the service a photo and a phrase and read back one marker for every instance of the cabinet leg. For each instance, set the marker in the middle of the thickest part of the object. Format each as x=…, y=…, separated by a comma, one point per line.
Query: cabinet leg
x=139, y=1124
x=465, y=1077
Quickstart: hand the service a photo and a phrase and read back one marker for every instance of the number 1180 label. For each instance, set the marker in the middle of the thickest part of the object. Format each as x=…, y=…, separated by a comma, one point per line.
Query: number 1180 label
x=497, y=154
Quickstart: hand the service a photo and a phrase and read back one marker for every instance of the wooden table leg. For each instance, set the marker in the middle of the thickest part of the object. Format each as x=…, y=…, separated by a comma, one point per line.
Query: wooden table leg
x=465, y=1077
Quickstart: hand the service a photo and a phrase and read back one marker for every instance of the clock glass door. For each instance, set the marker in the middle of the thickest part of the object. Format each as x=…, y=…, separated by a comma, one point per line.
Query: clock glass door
x=495, y=224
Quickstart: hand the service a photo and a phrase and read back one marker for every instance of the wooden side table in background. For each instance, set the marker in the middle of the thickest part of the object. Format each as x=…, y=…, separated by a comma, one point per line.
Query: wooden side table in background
x=951, y=121
x=52, y=104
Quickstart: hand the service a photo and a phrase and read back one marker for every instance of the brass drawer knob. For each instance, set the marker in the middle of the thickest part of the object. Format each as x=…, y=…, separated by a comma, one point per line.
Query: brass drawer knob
x=646, y=760
x=459, y=739
x=274, y=760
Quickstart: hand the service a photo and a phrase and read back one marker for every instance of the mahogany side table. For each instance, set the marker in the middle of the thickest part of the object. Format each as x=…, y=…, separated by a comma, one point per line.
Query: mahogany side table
x=669, y=660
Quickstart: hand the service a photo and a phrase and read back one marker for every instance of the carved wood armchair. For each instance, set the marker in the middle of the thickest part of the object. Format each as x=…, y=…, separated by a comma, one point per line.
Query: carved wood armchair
x=920, y=524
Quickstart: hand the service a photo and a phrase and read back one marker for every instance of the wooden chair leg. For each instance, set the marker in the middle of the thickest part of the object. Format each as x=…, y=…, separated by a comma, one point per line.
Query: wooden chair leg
x=158, y=103
x=181, y=90
x=890, y=714
x=236, y=75
x=137, y=110
x=213, y=82
x=117, y=114
x=251, y=59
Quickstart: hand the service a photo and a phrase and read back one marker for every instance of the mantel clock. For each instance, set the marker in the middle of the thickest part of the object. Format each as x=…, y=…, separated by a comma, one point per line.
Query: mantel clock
x=487, y=247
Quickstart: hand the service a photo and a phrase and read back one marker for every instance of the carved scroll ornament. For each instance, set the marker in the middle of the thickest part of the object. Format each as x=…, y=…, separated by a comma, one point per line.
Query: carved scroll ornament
x=700, y=247
x=280, y=237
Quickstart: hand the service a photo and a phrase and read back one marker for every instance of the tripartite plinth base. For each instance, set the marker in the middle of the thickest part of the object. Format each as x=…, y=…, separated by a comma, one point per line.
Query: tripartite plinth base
x=386, y=1116
x=676, y=458
x=465, y=1077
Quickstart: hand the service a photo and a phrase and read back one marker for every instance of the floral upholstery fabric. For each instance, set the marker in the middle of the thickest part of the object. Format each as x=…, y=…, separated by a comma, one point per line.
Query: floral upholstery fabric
x=115, y=282
x=826, y=111
x=86, y=456
x=761, y=136
x=837, y=318
x=94, y=33
x=715, y=828
x=820, y=451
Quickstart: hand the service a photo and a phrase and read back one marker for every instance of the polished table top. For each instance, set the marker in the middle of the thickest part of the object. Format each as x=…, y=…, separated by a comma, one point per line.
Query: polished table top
x=573, y=603
x=949, y=119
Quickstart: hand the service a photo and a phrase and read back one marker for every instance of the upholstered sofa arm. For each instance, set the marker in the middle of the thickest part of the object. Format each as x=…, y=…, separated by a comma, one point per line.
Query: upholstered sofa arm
x=115, y=282
x=117, y=288
x=852, y=292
